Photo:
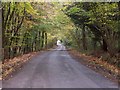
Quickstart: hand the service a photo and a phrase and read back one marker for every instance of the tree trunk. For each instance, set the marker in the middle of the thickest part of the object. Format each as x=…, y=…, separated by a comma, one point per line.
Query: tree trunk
x=110, y=40
x=94, y=44
x=119, y=27
x=104, y=45
x=84, y=38
x=36, y=42
x=42, y=43
x=45, y=40
x=1, y=52
x=39, y=39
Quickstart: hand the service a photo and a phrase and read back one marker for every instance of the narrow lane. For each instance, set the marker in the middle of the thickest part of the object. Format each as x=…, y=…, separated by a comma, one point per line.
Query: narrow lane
x=56, y=69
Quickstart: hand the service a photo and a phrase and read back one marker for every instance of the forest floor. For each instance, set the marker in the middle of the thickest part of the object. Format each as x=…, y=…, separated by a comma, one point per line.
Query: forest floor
x=97, y=64
x=12, y=65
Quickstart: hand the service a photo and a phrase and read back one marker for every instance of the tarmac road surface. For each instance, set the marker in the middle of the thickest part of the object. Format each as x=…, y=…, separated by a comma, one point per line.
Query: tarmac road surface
x=56, y=69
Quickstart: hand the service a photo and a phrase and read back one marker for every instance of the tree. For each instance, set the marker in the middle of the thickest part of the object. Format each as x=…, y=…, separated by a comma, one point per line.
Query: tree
x=13, y=16
x=101, y=19
x=0, y=31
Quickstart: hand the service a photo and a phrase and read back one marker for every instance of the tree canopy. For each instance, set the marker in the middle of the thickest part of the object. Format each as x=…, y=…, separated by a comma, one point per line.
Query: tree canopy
x=86, y=26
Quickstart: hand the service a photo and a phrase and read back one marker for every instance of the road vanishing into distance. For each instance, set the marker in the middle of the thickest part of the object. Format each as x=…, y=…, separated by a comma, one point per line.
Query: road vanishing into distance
x=56, y=69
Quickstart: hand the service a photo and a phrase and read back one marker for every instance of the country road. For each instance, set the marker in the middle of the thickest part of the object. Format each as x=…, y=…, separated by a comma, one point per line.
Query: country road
x=56, y=69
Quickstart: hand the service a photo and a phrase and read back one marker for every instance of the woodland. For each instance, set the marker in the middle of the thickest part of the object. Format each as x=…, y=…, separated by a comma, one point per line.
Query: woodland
x=91, y=28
